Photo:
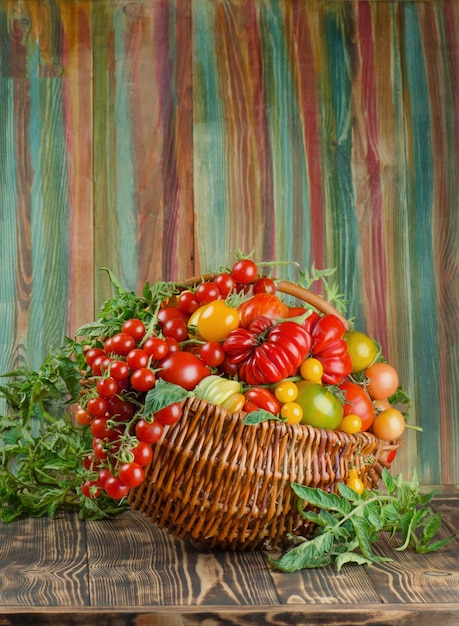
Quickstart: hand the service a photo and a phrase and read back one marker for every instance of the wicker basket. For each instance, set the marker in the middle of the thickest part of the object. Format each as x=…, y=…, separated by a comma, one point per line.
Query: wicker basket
x=224, y=484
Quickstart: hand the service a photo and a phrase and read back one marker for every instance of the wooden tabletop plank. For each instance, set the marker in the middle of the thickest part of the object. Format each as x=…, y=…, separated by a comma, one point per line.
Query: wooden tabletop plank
x=134, y=563
x=44, y=563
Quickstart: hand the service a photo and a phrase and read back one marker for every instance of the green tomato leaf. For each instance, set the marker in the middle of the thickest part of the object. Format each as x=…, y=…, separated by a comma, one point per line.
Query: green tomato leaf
x=163, y=394
x=322, y=499
x=260, y=416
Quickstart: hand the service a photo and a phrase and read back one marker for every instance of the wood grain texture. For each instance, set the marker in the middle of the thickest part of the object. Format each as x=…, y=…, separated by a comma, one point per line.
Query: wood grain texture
x=125, y=571
x=156, y=137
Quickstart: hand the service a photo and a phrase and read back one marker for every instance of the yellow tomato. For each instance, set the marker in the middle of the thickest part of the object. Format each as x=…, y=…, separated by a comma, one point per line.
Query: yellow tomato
x=350, y=424
x=292, y=412
x=354, y=482
x=215, y=320
x=312, y=369
x=286, y=391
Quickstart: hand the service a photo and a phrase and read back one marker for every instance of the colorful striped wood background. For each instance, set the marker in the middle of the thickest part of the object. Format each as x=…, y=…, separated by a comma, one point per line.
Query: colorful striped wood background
x=156, y=137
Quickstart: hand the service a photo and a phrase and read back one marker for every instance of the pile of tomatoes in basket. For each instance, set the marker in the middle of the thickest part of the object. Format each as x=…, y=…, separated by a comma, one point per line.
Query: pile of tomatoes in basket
x=232, y=340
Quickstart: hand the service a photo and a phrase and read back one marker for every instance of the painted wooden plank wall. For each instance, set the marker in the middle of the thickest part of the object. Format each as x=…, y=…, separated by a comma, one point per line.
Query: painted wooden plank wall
x=155, y=137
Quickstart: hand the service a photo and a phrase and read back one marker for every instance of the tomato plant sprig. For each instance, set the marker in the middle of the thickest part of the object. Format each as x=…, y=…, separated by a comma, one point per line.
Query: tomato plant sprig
x=347, y=524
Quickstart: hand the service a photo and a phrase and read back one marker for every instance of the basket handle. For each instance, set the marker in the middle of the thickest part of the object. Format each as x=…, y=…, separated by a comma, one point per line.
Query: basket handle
x=290, y=289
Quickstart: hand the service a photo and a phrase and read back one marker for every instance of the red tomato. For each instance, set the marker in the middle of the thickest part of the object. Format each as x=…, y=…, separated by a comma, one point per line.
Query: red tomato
x=212, y=353
x=262, y=304
x=143, y=453
x=176, y=328
x=83, y=417
x=119, y=370
x=107, y=387
x=188, y=302
x=264, y=285
x=358, y=402
x=170, y=414
x=155, y=347
x=207, y=292
x=143, y=379
x=131, y=474
x=137, y=358
x=92, y=353
x=119, y=409
x=225, y=283
x=149, y=432
x=183, y=368
x=115, y=488
x=263, y=398
x=97, y=406
x=171, y=312
x=90, y=489
x=122, y=344
x=135, y=328
x=244, y=271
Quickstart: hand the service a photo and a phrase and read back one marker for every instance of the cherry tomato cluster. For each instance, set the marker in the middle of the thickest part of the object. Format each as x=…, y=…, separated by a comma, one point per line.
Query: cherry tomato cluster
x=230, y=340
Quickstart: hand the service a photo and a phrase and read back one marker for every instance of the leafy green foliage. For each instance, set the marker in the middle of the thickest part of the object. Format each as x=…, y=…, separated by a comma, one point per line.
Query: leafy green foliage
x=41, y=451
x=347, y=524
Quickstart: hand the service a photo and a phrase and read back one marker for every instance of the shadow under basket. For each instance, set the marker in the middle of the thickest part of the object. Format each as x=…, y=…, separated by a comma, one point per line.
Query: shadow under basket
x=222, y=484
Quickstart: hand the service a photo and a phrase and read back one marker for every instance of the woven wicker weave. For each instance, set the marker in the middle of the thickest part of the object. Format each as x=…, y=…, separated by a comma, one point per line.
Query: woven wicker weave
x=224, y=484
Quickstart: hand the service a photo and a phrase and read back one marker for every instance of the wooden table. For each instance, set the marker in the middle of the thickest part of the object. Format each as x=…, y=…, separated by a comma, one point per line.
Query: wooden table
x=126, y=571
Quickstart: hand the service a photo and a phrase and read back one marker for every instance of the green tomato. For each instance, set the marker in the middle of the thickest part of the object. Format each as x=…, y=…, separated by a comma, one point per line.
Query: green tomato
x=321, y=409
x=362, y=350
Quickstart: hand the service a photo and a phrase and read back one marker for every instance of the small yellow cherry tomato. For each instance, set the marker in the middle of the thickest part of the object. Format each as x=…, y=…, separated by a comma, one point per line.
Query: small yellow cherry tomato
x=312, y=369
x=351, y=424
x=286, y=391
x=354, y=482
x=292, y=412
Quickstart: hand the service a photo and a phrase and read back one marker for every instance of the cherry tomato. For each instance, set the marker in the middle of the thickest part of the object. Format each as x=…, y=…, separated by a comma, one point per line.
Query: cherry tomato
x=149, y=432
x=264, y=285
x=90, y=489
x=225, y=284
x=115, y=488
x=107, y=387
x=212, y=353
x=122, y=344
x=188, y=302
x=100, y=430
x=171, y=312
x=97, y=406
x=389, y=425
x=350, y=424
x=176, y=328
x=183, y=368
x=207, y=292
x=358, y=402
x=100, y=365
x=99, y=449
x=143, y=379
x=382, y=380
x=354, y=482
x=155, y=347
x=102, y=476
x=135, y=328
x=119, y=370
x=136, y=359
x=143, y=453
x=321, y=408
x=92, y=353
x=120, y=410
x=312, y=369
x=131, y=474
x=362, y=350
x=292, y=412
x=172, y=345
x=235, y=402
x=82, y=416
x=170, y=414
x=286, y=391
x=216, y=320
x=244, y=271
